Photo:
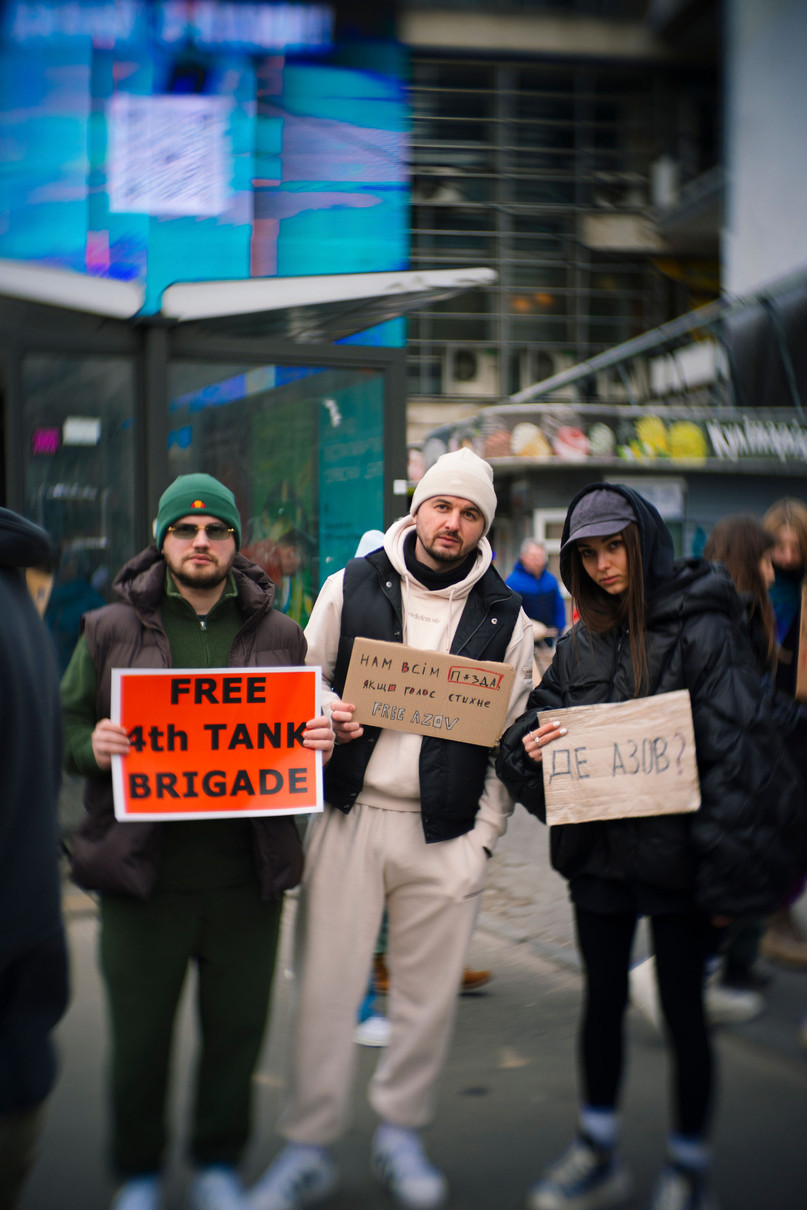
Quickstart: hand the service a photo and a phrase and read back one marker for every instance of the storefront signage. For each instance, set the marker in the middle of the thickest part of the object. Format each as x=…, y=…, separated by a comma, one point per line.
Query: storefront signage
x=213, y=743
x=599, y=435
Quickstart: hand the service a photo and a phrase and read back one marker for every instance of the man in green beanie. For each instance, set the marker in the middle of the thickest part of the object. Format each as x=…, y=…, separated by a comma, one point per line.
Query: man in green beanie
x=204, y=891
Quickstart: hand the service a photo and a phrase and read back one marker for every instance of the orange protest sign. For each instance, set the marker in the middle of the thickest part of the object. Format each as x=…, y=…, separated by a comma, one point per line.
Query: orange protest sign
x=213, y=743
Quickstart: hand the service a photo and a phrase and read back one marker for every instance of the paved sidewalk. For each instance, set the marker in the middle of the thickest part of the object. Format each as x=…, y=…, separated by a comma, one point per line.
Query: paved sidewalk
x=526, y=901
x=508, y=1095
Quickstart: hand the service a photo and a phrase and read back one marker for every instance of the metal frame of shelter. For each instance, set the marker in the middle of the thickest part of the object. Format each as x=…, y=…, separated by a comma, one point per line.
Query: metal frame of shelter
x=281, y=321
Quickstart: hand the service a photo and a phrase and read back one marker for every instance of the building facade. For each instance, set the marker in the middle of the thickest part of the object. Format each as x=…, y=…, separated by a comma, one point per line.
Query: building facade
x=646, y=157
x=545, y=138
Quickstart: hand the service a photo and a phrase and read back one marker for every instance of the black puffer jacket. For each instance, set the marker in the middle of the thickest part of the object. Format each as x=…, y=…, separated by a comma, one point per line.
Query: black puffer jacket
x=740, y=850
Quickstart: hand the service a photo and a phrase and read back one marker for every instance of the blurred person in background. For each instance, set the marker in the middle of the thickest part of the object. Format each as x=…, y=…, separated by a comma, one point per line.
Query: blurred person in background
x=743, y=545
x=784, y=941
x=541, y=600
x=539, y=590
x=33, y=953
x=73, y=594
x=202, y=892
x=651, y=625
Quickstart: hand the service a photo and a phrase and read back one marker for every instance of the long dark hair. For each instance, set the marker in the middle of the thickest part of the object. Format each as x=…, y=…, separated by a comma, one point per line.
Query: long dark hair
x=739, y=542
x=601, y=611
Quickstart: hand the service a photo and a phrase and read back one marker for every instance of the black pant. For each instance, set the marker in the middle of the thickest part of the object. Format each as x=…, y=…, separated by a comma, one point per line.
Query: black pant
x=680, y=943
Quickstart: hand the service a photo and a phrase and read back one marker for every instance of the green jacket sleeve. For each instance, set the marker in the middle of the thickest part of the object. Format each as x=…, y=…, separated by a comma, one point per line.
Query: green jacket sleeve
x=79, y=711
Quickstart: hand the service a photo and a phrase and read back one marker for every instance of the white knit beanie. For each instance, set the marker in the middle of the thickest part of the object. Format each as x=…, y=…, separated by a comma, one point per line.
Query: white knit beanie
x=461, y=473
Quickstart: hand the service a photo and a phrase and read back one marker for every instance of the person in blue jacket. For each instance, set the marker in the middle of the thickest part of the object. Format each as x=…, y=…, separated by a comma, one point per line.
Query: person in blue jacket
x=539, y=590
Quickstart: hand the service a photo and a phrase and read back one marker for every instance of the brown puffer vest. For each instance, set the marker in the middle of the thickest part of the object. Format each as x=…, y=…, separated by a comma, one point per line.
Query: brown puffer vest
x=123, y=858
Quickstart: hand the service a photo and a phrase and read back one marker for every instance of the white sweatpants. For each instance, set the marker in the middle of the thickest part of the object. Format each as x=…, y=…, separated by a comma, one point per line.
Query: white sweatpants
x=355, y=865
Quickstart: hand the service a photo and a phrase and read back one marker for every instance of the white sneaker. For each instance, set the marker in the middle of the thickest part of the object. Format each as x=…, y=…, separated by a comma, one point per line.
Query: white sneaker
x=299, y=1176
x=215, y=1188
x=731, y=1005
x=400, y=1163
x=374, y=1031
x=643, y=992
x=140, y=1193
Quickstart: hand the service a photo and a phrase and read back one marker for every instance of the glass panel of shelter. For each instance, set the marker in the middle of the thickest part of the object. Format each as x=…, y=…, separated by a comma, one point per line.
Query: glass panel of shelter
x=78, y=421
x=302, y=449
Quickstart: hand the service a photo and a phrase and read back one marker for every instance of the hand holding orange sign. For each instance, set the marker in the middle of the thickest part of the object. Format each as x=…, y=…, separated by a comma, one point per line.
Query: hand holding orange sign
x=214, y=743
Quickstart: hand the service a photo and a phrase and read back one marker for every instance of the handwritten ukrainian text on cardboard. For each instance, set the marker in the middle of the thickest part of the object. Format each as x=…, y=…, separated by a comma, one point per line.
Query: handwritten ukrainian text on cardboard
x=801, y=666
x=428, y=693
x=215, y=743
x=624, y=759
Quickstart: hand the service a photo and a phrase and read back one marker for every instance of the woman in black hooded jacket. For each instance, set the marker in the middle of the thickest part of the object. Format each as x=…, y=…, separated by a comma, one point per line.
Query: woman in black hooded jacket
x=649, y=625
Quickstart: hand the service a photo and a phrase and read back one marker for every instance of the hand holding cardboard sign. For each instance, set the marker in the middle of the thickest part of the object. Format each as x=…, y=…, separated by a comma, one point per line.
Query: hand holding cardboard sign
x=344, y=726
x=535, y=741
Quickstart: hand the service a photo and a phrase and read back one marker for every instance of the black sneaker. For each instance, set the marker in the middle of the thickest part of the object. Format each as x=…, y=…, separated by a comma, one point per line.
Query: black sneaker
x=585, y=1177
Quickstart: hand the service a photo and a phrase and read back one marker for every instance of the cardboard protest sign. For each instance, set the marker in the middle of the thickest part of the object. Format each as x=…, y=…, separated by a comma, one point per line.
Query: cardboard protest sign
x=428, y=693
x=214, y=743
x=622, y=759
x=801, y=656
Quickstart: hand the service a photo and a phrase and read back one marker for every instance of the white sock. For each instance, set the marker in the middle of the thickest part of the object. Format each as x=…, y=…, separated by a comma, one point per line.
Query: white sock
x=689, y=1151
x=600, y=1125
x=388, y=1132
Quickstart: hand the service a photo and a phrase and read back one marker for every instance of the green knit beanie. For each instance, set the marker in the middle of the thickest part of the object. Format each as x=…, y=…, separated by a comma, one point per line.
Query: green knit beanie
x=201, y=494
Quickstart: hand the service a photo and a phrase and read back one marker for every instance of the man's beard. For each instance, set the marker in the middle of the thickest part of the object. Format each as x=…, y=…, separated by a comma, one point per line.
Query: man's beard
x=201, y=577
x=441, y=555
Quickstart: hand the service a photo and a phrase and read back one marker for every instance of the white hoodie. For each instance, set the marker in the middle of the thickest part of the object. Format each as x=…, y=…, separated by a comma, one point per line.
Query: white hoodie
x=430, y=618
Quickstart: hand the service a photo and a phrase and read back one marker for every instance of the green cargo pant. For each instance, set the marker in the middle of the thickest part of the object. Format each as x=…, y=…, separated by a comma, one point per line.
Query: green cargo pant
x=145, y=949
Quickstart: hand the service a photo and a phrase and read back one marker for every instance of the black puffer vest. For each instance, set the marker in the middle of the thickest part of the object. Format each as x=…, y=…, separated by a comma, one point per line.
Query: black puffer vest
x=452, y=774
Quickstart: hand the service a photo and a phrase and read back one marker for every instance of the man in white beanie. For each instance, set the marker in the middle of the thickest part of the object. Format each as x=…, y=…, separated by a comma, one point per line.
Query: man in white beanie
x=410, y=824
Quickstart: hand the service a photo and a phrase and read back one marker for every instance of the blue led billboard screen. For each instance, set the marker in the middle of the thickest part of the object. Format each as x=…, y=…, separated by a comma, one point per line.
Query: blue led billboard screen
x=164, y=142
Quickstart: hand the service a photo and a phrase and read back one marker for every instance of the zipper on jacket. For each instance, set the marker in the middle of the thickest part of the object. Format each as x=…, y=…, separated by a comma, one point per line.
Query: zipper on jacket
x=620, y=640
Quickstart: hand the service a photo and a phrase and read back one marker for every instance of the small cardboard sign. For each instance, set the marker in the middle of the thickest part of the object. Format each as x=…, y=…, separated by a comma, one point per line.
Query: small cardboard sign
x=622, y=759
x=801, y=665
x=215, y=743
x=427, y=693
